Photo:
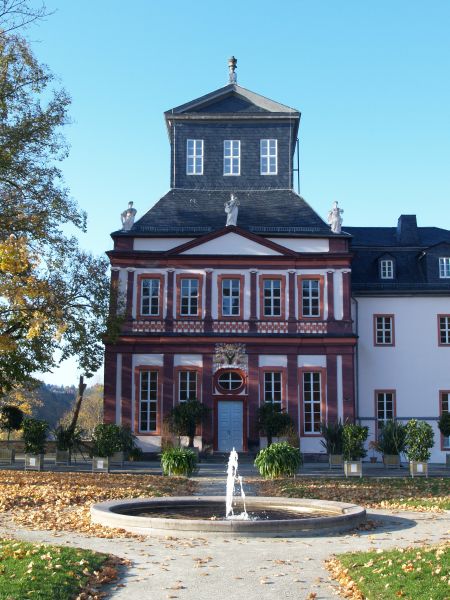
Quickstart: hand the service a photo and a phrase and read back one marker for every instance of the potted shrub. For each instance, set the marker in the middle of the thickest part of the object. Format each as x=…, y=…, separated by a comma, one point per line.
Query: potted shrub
x=127, y=446
x=68, y=440
x=272, y=421
x=178, y=461
x=185, y=418
x=11, y=419
x=34, y=437
x=278, y=460
x=106, y=441
x=419, y=441
x=444, y=428
x=354, y=437
x=332, y=442
x=391, y=442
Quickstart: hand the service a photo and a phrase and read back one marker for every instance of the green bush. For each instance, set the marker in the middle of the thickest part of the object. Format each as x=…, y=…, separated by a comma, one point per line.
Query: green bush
x=391, y=439
x=272, y=421
x=68, y=438
x=127, y=439
x=354, y=436
x=11, y=418
x=178, y=461
x=278, y=460
x=419, y=440
x=34, y=435
x=333, y=436
x=107, y=439
x=185, y=417
x=444, y=424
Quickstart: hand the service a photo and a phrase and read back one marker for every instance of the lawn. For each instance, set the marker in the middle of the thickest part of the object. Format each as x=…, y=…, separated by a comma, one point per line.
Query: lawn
x=397, y=493
x=62, y=501
x=410, y=573
x=42, y=572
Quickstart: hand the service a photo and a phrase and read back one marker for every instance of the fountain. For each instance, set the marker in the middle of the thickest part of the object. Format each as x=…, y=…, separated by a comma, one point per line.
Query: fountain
x=261, y=516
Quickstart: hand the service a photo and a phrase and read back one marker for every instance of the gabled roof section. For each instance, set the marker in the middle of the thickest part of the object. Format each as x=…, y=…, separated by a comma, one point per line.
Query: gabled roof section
x=198, y=212
x=250, y=102
x=232, y=240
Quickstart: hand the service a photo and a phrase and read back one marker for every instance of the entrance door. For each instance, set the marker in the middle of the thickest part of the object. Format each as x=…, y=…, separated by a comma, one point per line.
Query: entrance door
x=230, y=424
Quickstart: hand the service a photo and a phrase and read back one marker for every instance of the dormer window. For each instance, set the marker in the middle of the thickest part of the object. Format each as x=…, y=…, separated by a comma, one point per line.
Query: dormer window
x=194, y=157
x=444, y=267
x=387, y=269
x=232, y=157
x=269, y=157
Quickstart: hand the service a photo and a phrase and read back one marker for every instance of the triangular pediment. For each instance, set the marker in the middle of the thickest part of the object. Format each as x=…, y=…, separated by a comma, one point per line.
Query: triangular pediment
x=231, y=241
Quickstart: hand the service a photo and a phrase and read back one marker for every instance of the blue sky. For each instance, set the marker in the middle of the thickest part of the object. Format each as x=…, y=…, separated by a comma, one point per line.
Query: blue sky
x=370, y=78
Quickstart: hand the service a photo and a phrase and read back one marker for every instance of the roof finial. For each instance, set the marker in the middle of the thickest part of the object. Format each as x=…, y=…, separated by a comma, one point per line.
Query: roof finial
x=232, y=64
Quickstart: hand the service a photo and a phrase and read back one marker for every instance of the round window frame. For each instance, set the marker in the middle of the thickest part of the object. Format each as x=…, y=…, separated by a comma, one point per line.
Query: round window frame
x=224, y=391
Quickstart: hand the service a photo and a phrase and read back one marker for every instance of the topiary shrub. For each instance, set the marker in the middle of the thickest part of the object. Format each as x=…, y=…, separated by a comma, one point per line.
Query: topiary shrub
x=392, y=438
x=185, y=417
x=332, y=433
x=178, y=461
x=272, y=421
x=419, y=440
x=107, y=439
x=354, y=437
x=444, y=424
x=278, y=460
x=34, y=435
x=127, y=440
x=11, y=418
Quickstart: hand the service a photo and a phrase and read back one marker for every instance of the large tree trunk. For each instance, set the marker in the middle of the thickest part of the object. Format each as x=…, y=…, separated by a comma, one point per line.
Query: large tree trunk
x=76, y=412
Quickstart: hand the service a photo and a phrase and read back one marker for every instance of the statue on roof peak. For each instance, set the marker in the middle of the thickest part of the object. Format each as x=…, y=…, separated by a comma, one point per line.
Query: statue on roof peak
x=127, y=217
x=232, y=65
x=231, y=208
x=335, y=218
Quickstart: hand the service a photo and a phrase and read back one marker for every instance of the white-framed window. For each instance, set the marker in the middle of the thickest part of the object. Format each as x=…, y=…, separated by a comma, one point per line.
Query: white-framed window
x=310, y=298
x=272, y=297
x=189, y=296
x=312, y=401
x=384, y=330
x=150, y=293
x=385, y=407
x=187, y=385
x=269, y=157
x=444, y=267
x=194, y=157
x=148, y=401
x=272, y=388
x=387, y=269
x=231, y=293
x=445, y=406
x=444, y=329
x=231, y=157
x=230, y=381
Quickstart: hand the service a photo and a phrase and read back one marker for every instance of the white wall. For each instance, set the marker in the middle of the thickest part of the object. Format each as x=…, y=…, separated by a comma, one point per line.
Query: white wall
x=303, y=244
x=158, y=244
x=416, y=367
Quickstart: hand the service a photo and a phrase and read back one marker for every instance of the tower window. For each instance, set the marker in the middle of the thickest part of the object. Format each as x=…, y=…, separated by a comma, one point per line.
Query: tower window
x=387, y=269
x=194, y=157
x=269, y=157
x=232, y=157
x=444, y=267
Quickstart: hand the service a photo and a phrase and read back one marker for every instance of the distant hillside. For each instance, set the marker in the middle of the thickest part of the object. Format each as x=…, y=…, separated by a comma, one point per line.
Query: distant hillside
x=56, y=401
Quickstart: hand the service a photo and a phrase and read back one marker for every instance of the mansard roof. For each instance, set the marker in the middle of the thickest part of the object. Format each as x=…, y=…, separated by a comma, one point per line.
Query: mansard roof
x=413, y=271
x=198, y=212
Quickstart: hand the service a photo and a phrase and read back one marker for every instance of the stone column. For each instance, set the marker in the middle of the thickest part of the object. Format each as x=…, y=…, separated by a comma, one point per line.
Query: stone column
x=130, y=289
x=332, y=399
x=109, y=398
x=207, y=399
x=127, y=396
x=169, y=300
x=253, y=300
x=292, y=389
x=346, y=291
x=208, y=300
x=292, y=321
x=330, y=295
x=253, y=397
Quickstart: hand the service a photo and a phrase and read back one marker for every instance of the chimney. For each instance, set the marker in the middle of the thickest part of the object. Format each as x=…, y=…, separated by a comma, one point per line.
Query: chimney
x=407, y=231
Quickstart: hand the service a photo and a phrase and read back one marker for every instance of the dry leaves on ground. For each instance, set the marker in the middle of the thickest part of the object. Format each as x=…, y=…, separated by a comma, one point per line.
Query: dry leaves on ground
x=62, y=501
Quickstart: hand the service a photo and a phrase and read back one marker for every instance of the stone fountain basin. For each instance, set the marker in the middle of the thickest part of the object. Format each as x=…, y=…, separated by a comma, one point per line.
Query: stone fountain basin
x=330, y=517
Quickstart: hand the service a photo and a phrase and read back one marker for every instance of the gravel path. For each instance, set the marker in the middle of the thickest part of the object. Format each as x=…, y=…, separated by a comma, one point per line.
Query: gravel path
x=217, y=568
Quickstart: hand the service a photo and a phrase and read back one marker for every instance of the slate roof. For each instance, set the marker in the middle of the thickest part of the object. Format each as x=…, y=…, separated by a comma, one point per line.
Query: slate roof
x=415, y=271
x=197, y=212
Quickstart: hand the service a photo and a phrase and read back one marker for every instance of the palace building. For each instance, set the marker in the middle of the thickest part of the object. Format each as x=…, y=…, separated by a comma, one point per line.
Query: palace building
x=238, y=293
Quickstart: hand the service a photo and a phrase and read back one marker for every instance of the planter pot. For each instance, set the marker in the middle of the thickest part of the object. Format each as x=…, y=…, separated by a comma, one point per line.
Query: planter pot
x=391, y=461
x=34, y=462
x=335, y=460
x=418, y=468
x=373, y=459
x=118, y=458
x=353, y=468
x=62, y=457
x=8, y=456
x=100, y=464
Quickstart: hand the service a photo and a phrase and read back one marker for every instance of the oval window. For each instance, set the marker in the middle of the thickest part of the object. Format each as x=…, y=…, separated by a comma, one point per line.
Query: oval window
x=230, y=380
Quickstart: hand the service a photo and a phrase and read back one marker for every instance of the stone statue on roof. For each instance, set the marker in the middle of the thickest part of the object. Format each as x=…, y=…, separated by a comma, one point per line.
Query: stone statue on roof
x=127, y=217
x=335, y=218
x=231, y=208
